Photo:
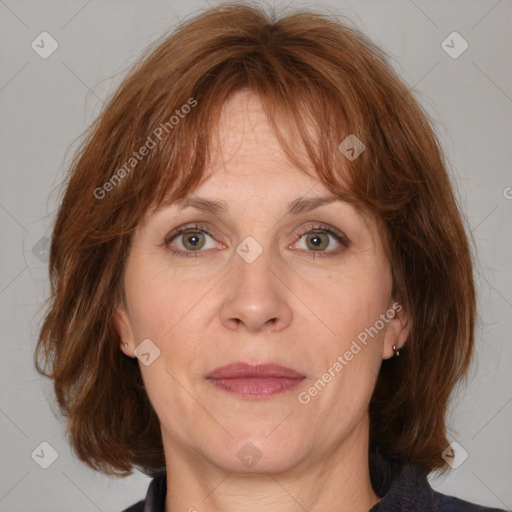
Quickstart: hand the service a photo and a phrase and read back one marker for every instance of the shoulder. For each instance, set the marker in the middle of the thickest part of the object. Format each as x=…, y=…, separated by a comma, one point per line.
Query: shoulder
x=155, y=496
x=404, y=487
x=451, y=504
x=137, y=507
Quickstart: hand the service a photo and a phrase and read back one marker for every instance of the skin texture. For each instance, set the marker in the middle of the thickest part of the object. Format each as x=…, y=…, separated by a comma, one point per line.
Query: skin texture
x=214, y=308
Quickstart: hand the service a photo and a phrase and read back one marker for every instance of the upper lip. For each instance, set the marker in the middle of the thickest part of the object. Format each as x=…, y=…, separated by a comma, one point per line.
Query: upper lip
x=241, y=370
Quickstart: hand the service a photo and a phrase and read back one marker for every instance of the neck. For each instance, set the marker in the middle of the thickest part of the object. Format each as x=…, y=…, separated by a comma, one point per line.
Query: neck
x=338, y=479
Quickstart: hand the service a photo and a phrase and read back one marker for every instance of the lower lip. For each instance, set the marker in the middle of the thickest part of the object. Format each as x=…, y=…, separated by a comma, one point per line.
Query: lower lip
x=260, y=387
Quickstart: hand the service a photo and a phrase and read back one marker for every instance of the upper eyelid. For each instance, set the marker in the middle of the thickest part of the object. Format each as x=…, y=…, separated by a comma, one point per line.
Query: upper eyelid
x=311, y=227
x=194, y=226
x=327, y=229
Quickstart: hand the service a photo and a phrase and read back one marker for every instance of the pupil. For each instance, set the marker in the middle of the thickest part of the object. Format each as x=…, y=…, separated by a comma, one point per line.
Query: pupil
x=316, y=241
x=193, y=241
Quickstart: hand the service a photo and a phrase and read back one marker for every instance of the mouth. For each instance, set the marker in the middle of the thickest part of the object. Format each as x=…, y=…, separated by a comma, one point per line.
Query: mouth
x=255, y=381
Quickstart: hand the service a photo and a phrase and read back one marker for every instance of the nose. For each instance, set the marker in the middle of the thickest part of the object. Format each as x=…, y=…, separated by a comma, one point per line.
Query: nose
x=256, y=300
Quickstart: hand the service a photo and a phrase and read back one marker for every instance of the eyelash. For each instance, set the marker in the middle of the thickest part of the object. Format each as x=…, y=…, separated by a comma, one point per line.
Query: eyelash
x=314, y=228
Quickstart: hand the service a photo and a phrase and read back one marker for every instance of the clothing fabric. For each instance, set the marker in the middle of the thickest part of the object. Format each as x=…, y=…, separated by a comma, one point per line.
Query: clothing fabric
x=402, y=488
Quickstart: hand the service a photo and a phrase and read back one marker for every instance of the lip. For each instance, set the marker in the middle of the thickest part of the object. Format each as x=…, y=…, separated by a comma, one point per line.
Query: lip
x=255, y=380
x=243, y=370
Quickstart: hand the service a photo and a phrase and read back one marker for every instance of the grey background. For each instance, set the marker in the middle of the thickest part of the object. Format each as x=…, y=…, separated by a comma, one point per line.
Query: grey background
x=47, y=103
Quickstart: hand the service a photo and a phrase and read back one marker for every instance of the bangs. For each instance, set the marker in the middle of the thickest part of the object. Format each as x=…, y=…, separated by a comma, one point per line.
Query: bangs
x=313, y=103
x=296, y=115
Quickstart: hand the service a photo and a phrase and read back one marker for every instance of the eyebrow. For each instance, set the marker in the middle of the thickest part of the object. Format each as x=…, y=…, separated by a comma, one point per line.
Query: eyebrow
x=298, y=205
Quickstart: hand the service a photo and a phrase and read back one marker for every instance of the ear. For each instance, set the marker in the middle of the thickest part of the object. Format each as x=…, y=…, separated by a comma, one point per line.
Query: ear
x=123, y=328
x=397, y=330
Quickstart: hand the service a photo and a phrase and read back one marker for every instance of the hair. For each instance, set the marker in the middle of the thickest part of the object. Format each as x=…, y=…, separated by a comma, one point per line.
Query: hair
x=323, y=80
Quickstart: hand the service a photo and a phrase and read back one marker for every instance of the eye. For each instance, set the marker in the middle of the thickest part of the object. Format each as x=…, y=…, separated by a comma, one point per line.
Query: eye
x=317, y=238
x=190, y=240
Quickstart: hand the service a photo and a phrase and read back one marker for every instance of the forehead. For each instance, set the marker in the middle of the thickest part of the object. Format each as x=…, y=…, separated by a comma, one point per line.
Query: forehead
x=242, y=114
x=243, y=144
x=248, y=166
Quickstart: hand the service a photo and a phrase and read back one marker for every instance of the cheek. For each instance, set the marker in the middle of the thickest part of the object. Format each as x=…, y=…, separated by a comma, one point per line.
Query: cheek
x=169, y=310
x=157, y=297
x=348, y=341
x=347, y=366
x=349, y=301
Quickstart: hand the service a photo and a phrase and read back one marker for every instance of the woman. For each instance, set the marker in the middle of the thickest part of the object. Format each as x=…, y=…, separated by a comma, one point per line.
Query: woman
x=262, y=286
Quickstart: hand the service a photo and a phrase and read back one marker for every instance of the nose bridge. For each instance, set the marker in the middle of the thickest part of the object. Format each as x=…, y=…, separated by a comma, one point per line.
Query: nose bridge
x=254, y=298
x=251, y=271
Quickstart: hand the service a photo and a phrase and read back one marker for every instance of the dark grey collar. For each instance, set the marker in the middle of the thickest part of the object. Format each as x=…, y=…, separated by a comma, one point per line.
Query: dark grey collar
x=408, y=491
x=403, y=487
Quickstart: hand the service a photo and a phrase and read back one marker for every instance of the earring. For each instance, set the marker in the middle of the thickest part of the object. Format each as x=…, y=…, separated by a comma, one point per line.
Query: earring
x=125, y=345
x=396, y=351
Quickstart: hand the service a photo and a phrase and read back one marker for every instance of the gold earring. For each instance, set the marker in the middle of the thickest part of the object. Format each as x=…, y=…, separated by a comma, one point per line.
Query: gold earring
x=396, y=351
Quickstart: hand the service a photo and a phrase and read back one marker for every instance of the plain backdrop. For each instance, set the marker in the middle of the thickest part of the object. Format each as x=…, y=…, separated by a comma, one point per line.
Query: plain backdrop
x=47, y=103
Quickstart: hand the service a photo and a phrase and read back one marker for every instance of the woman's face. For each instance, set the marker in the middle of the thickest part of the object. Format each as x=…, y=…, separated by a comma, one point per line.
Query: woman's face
x=242, y=287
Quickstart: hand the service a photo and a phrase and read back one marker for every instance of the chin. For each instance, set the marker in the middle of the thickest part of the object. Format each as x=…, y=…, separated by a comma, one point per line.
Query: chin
x=259, y=453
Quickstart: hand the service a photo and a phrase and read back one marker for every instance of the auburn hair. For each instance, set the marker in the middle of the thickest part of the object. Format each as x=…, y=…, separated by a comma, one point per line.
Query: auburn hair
x=319, y=80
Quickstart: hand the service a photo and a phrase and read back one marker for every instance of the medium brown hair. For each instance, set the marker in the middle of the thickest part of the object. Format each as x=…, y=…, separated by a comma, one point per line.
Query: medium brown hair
x=323, y=80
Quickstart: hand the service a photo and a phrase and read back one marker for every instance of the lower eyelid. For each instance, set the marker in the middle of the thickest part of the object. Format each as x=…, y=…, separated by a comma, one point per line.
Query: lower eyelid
x=178, y=235
x=191, y=229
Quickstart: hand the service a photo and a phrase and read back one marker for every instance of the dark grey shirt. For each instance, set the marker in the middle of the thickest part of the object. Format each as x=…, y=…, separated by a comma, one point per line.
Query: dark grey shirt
x=403, y=489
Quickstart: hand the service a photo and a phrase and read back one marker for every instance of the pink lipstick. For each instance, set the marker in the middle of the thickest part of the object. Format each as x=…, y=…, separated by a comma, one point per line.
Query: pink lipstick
x=255, y=380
